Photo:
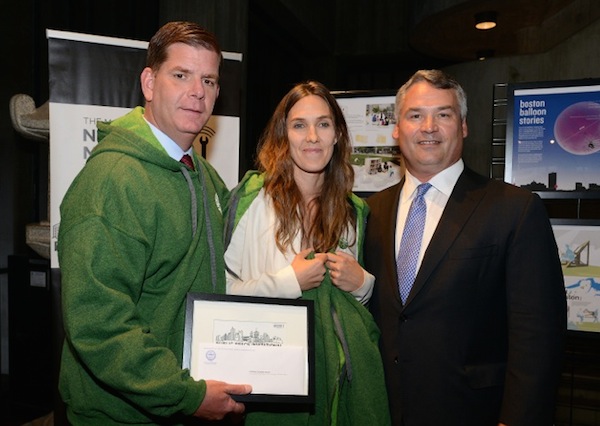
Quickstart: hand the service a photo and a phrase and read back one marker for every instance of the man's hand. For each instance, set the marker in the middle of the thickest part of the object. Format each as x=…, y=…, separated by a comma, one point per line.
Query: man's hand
x=218, y=401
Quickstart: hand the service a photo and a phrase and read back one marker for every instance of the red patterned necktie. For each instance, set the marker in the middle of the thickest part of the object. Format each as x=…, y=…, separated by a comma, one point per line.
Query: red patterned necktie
x=187, y=160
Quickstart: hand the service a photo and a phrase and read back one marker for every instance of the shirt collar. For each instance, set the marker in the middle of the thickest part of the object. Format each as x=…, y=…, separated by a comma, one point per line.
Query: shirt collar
x=173, y=150
x=444, y=181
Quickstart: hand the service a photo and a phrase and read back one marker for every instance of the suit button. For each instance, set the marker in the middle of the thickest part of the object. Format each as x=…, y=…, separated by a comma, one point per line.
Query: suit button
x=395, y=360
x=403, y=318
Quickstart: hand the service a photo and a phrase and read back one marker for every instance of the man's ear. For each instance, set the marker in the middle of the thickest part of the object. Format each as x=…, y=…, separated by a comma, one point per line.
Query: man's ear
x=147, y=82
x=396, y=132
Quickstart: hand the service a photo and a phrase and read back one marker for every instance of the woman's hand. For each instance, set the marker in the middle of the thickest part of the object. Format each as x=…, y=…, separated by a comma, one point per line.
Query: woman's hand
x=345, y=271
x=309, y=272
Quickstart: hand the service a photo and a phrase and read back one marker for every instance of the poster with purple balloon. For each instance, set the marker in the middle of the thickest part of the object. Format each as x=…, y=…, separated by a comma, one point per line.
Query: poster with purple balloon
x=553, y=136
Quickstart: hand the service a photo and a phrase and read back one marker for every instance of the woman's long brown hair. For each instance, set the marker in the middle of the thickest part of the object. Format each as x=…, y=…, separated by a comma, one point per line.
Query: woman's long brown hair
x=332, y=212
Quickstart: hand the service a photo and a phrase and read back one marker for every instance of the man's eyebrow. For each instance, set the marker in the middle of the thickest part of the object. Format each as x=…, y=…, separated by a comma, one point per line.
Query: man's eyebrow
x=178, y=69
x=185, y=70
x=436, y=108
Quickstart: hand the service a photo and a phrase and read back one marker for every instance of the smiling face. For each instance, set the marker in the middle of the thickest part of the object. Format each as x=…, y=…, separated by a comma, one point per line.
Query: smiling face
x=430, y=130
x=311, y=136
x=181, y=94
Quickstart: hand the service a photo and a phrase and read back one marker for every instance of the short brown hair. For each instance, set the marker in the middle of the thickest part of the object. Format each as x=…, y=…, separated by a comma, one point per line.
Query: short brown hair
x=184, y=32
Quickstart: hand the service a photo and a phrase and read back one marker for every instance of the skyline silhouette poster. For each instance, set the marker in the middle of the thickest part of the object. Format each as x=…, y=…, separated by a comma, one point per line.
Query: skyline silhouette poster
x=553, y=136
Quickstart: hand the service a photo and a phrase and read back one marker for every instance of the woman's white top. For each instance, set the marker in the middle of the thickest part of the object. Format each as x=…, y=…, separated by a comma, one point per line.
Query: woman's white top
x=261, y=269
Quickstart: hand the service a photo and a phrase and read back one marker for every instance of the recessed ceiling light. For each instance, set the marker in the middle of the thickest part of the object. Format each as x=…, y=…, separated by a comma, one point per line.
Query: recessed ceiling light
x=485, y=20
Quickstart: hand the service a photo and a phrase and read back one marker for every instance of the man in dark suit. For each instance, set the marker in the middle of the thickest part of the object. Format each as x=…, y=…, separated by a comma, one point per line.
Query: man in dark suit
x=478, y=340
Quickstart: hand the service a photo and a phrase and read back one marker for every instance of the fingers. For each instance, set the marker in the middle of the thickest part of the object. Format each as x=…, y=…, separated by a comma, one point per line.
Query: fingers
x=339, y=256
x=336, y=275
x=336, y=262
x=238, y=408
x=238, y=389
x=344, y=270
x=333, y=265
x=309, y=272
x=304, y=253
x=218, y=400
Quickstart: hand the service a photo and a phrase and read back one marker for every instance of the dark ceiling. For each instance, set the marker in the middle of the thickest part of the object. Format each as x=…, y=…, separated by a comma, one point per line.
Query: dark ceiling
x=523, y=27
x=352, y=45
x=439, y=29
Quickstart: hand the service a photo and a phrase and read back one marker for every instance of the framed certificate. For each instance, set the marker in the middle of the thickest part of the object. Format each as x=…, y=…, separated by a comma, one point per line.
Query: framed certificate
x=267, y=343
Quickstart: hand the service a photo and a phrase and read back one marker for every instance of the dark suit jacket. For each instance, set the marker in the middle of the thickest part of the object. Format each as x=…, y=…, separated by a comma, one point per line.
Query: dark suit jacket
x=480, y=339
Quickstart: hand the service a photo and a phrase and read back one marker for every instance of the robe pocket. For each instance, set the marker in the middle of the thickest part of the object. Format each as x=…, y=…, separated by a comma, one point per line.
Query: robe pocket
x=485, y=375
x=474, y=252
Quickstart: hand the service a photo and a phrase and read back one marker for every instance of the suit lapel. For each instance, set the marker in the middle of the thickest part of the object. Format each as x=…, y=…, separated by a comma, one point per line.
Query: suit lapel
x=389, y=242
x=463, y=201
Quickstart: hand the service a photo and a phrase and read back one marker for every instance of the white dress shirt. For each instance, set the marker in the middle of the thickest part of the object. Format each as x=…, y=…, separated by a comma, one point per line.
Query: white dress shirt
x=174, y=150
x=436, y=199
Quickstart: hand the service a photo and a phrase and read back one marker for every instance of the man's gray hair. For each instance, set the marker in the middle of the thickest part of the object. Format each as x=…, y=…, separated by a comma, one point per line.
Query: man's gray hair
x=438, y=79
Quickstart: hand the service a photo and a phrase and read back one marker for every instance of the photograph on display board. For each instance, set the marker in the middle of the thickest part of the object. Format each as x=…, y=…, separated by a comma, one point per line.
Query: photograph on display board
x=553, y=136
x=375, y=154
x=579, y=249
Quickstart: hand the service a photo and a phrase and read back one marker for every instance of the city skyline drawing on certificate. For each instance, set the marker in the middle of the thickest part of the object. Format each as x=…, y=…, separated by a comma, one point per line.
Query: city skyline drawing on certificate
x=249, y=333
